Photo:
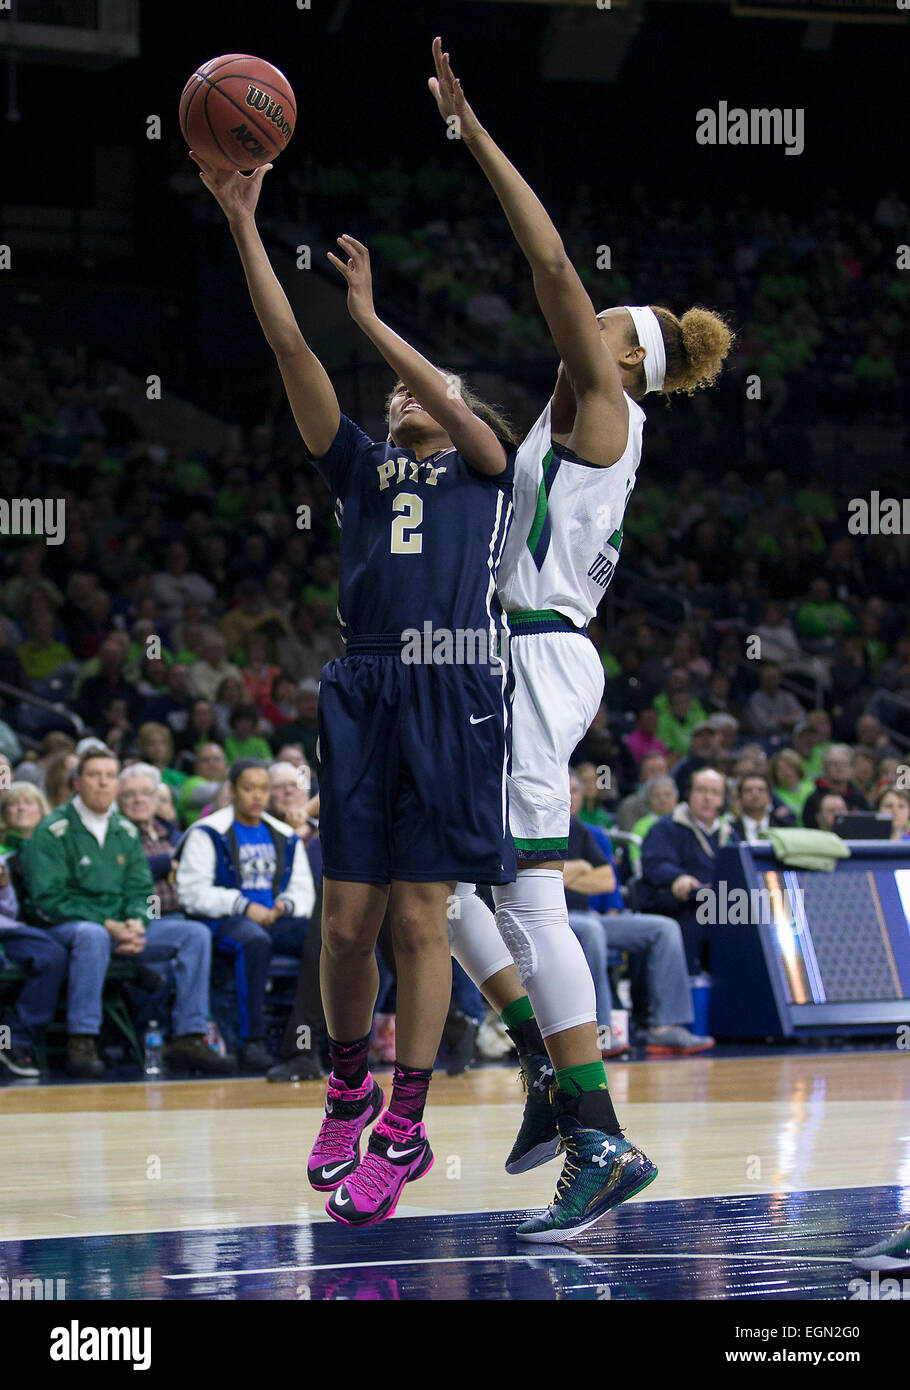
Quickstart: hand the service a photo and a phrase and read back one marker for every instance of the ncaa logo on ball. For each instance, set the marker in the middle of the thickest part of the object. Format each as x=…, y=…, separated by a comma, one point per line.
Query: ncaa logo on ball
x=272, y=110
x=248, y=140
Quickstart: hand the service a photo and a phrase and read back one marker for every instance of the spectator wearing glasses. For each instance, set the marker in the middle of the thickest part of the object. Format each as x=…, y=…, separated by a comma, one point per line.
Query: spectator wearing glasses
x=169, y=932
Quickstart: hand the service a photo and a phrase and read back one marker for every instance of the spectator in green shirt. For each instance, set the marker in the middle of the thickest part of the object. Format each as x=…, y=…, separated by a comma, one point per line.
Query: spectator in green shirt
x=788, y=781
x=155, y=745
x=593, y=782
x=677, y=714
x=41, y=654
x=244, y=742
x=200, y=788
x=820, y=618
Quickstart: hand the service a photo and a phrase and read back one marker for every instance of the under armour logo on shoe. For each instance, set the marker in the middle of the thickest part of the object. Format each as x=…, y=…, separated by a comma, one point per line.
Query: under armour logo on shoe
x=603, y=1158
x=544, y=1076
x=329, y=1106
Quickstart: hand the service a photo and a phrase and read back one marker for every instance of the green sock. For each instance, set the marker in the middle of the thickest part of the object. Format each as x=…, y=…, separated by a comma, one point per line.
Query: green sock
x=590, y=1076
x=513, y=1015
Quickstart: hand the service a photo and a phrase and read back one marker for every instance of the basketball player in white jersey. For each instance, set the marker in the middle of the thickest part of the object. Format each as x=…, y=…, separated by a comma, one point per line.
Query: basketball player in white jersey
x=573, y=476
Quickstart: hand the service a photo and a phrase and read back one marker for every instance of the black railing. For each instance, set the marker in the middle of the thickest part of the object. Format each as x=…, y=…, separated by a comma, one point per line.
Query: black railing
x=56, y=707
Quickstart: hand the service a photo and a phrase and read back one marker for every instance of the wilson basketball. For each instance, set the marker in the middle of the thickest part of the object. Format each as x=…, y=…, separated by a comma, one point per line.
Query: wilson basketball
x=237, y=111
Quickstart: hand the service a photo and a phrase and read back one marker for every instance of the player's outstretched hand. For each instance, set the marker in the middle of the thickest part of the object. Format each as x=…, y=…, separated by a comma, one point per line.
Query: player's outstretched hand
x=237, y=194
x=450, y=99
x=359, y=277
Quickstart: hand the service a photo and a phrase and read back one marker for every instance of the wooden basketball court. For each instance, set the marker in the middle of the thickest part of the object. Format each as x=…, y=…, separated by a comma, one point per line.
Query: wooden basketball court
x=773, y=1170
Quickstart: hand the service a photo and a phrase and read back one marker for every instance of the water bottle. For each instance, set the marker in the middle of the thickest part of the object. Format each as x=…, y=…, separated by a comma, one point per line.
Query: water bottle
x=700, y=986
x=153, y=1049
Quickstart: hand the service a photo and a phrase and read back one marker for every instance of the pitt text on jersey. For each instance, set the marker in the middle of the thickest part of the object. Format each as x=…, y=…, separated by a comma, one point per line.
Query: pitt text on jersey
x=404, y=470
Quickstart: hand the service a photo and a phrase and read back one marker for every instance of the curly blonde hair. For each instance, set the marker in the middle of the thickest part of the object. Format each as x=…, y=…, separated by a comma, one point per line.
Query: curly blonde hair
x=696, y=347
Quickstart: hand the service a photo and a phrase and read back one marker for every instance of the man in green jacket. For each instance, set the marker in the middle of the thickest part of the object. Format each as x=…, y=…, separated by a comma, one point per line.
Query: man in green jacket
x=89, y=884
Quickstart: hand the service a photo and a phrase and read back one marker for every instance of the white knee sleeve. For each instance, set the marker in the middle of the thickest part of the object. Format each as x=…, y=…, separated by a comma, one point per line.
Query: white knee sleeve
x=473, y=939
x=533, y=921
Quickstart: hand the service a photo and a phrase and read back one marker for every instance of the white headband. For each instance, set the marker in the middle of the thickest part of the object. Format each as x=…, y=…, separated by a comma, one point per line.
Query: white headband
x=650, y=337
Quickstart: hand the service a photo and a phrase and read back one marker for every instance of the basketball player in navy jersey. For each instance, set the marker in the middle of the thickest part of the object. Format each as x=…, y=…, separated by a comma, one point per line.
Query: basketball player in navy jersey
x=413, y=751
x=573, y=476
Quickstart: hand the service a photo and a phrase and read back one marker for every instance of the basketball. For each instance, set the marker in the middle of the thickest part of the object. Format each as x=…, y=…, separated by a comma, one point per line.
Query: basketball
x=237, y=112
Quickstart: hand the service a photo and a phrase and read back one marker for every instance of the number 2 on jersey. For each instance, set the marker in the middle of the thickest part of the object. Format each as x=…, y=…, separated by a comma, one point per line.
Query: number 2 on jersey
x=411, y=507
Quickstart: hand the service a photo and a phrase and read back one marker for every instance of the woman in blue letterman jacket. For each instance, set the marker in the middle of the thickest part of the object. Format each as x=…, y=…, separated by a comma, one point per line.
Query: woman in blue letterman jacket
x=247, y=876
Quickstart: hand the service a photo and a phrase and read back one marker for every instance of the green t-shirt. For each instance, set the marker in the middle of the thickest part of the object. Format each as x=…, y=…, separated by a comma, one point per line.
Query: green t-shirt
x=40, y=661
x=187, y=812
x=795, y=797
x=676, y=733
x=877, y=371
x=876, y=653
x=252, y=747
x=819, y=620
x=812, y=766
x=610, y=664
x=313, y=593
x=597, y=816
x=641, y=828
x=814, y=504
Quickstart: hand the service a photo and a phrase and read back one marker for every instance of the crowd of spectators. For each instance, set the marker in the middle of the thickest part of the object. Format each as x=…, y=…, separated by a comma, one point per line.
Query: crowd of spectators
x=817, y=295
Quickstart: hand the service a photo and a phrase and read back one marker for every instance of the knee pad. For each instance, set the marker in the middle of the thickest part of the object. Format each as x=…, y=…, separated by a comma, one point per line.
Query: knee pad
x=518, y=942
x=473, y=939
x=533, y=921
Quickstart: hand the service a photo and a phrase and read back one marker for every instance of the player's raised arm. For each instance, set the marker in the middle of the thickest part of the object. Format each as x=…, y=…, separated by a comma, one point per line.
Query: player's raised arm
x=563, y=298
x=439, y=396
x=309, y=390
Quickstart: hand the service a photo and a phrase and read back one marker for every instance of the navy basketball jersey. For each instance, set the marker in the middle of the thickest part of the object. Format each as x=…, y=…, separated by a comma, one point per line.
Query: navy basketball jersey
x=421, y=540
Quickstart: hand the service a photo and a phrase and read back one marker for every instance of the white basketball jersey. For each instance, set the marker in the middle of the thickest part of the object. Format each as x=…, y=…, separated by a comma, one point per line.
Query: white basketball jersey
x=567, y=529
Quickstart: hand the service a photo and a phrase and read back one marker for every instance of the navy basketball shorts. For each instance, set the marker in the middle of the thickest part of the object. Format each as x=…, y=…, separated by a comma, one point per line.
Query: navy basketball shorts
x=413, y=761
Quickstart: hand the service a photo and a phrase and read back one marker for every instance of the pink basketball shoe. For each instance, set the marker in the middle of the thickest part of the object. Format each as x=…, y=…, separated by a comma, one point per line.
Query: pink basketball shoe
x=397, y=1153
x=336, y=1152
